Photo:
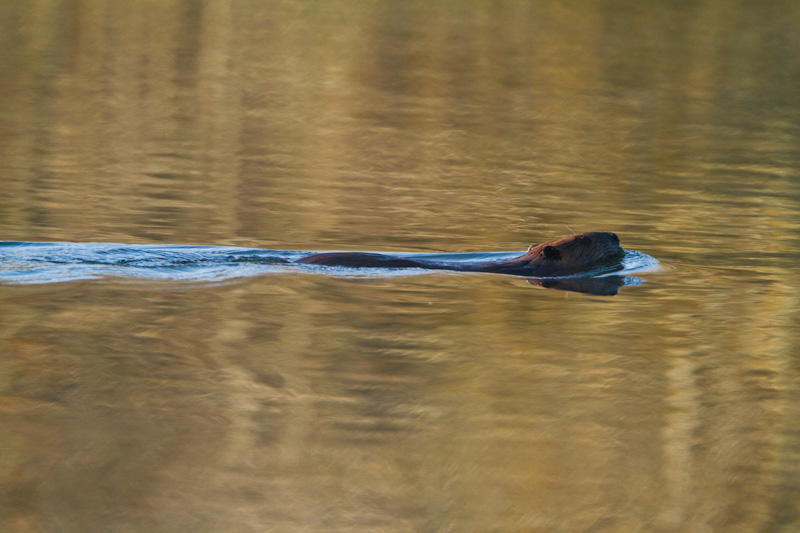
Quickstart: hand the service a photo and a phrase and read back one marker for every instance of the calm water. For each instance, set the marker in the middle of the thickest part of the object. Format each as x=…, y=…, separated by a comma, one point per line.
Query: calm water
x=142, y=390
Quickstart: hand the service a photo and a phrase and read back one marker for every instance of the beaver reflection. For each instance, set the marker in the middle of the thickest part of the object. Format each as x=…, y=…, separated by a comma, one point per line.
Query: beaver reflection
x=606, y=286
x=581, y=253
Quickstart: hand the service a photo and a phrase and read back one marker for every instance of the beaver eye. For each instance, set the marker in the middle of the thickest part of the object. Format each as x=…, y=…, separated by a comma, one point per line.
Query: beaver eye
x=551, y=252
x=586, y=240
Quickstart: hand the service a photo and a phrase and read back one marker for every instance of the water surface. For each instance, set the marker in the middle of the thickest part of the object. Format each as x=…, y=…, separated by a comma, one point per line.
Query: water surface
x=142, y=389
x=34, y=262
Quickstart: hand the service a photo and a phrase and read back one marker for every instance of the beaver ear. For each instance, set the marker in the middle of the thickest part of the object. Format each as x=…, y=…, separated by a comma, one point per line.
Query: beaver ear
x=551, y=252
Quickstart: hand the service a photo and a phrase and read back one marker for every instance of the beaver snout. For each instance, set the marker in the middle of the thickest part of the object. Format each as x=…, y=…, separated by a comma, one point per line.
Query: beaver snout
x=600, y=236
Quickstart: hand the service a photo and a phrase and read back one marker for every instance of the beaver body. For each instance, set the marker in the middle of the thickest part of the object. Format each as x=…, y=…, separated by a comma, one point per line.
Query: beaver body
x=566, y=256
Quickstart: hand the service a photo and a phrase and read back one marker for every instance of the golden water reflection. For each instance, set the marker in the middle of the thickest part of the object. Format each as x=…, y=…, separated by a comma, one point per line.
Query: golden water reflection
x=438, y=402
x=289, y=407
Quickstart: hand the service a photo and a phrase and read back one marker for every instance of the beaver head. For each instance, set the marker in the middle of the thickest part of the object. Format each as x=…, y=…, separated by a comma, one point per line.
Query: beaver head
x=565, y=256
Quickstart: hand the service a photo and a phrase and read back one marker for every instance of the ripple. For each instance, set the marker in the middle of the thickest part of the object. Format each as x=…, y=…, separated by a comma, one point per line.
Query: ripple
x=39, y=263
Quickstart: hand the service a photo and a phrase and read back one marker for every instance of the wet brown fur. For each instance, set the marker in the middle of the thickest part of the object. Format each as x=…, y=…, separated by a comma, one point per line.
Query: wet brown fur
x=566, y=256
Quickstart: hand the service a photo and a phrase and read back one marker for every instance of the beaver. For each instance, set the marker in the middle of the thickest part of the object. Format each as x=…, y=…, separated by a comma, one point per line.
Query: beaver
x=567, y=256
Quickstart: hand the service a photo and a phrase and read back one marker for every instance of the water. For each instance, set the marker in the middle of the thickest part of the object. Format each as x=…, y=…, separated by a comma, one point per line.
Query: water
x=27, y=262
x=161, y=385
